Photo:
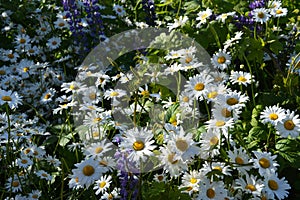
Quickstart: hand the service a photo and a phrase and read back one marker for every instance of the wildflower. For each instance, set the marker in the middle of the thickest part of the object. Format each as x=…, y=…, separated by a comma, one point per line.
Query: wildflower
x=221, y=60
x=11, y=98
x=276, y=187
x=61, y=24
x=211, y=190
x=239, y=77
x=240, y=159
x=279, y=12
x=224, y=16
x=115, y=194
x=197, y=85
x=22, y=40
x=251, y=185
x=191, y=181
x=24, y=162
x=114, y=94
x=217, y=166
x=272, y=115
x=102, y=184
x=160, y=177
x=210, y=142
x=13, y=184
x=87, y=172
x=289, y=126
x=9, y=55
x=119, y=9
x=178, y=22
x=54, y=43
x=48, y=95
x=98, y=149
x=44, y=175
x=140, y=144
x=34, y=194
x=203, y=17
x=261, y=15
x=264, y=162
x=233, y=100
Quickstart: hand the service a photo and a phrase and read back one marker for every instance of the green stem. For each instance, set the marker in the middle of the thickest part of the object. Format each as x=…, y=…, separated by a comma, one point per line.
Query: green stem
x=252, y=83
x=214, y=32
x=179, y=7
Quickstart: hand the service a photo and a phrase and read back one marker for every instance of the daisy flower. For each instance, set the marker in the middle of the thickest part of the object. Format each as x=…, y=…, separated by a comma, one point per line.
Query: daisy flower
x=261, y=15
x=272, y=115
x=221, y=60
x=53, y=161
x=210, y=144
x=34, y=194
x=114, y=94
x=22, y=40
x=61, y=24
x=279, y=12
x=241, y=78
x=264, y=162
x=140, y=144
x=9, y=55
x=276, y=187
x=289, y=126
x=24, y=162
x=13, y=184
x=11, y=98
x=185, y=145
x=232, y=100
x=102, y=79
x=197, y=85
x=224, y=16
x=174, y=54
x=211, y=190
x=43, y=175
x=87, y=172
x=173, y=69
x=251, y=185
x=220, y=125
x=240, y=160
x=218, y=166
x=54, y=43
x=119, y=10
x=102, y=184
x=98, y=149
x=71, y=87
x=203, y=17
x=91, y=95
x=48, y=95
x=191, y=181
x=171, y=161
x=178, y=22
x=219, y=111
x=160, y=177
x=274, y=4
x=115, y=194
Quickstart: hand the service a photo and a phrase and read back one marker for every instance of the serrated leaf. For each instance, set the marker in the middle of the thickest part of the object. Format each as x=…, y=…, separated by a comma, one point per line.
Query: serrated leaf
x=65, y=139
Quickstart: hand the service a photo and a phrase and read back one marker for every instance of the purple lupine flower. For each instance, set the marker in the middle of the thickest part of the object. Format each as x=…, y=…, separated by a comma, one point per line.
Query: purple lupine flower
x=257, y=4
x=149, y=9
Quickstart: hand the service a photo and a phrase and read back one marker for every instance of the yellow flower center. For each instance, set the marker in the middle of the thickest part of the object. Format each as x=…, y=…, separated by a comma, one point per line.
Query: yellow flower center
x=47, y=96
x=10, y=56
x=204, y=16
x=43, y=29
x=193, y=180
x=289, y=125
x=232, y=101
x=239, y=160
x=15, y=183
x=22, y=40
x=221, y=59
x=261, y=15
x=102, y=184
x=242, y=79
x=264, y=163
x=220, y=123
x=92, y=96
x=72, y=87
x=264, y=198
x=35, y=196
x=103, y=162
x=54, y=43
x=182, y=145
x=97, y=119
x=185, y=99
x=188, y=60
x=2, y=72
x=61, y=24
x=31, y=50
x=189, y=188
x=219, y=168
x=138, y=145
x=88, y=170
x=44, y=175
x=214, y=141
x=24, y=161
x=273, y=116
x=110, y=196
x=225, y=112
x=278, y=12
x=171, y=158
x=98, y=150
x=6, y=98
x=145, y=93
x=160, y=177
x=96, y=134
x=210, y=193
x=212, y=95
x=250, y=187
x=76, y=179
x=25, y=69
x=114, y=94
x=273, y=185
x=199, y=87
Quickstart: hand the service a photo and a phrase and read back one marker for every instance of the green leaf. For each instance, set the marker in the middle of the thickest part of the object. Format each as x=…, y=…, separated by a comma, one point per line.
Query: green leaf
x=65, y=139
x=276, y=47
